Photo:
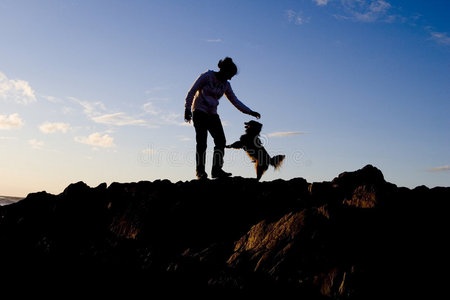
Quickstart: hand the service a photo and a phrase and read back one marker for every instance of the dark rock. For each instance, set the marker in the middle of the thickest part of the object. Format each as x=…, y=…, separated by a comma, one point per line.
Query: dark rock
x=349, y=181
x=357, y=237
x=364, y=196
x=334, y=283
x=368, y=174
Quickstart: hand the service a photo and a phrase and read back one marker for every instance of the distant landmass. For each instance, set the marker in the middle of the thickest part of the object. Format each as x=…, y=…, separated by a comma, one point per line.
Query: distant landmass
x=5, y=200
x=355, y=237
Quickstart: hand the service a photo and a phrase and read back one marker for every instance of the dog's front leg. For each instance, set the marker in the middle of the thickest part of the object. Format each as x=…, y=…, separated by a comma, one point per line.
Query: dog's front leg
x=235, y=145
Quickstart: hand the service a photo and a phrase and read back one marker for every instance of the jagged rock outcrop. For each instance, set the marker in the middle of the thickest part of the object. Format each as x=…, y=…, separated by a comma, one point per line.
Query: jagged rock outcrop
x=356, y=237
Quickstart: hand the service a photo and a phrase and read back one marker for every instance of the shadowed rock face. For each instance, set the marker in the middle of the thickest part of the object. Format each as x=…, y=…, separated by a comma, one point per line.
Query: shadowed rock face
x=356, y=237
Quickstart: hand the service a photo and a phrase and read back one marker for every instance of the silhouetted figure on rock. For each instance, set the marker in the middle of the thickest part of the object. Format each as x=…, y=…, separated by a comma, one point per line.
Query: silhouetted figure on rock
x=251, y=144
x=203, y=99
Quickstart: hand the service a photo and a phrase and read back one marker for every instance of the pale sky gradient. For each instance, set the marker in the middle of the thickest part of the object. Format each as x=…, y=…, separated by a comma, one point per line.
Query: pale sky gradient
x=94, y=90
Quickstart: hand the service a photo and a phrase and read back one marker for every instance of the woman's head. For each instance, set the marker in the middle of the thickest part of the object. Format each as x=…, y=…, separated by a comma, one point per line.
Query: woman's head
x=227, y=68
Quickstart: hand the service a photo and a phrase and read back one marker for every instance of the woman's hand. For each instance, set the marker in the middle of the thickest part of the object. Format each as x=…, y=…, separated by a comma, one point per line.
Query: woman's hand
x=187, y=115
x=256, y=115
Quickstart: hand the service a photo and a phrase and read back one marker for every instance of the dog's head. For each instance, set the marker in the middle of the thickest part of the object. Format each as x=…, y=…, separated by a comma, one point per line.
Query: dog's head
x=253, y=127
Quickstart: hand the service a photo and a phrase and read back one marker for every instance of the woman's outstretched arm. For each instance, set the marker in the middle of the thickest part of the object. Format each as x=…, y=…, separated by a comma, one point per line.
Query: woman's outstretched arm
x=238, y=104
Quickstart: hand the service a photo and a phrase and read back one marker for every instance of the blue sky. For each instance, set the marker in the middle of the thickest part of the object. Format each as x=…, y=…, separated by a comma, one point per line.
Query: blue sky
x=94, y=90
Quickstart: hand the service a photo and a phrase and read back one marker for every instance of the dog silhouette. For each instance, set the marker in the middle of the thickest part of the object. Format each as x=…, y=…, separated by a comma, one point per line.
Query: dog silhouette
x=254, y=148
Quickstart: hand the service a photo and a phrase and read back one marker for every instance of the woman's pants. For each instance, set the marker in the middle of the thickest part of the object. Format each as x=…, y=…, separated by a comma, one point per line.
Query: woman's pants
x=204, y=122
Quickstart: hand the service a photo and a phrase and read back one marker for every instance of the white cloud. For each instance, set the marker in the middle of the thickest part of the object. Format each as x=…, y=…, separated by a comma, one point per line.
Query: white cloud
x=48, y=127
x=118, y=119
x=16, y=90
x=379, y=6
x=90, y=109
x=97, y=112
x=8, y=138
x=35, y=144
x=67, y=110
x=96, y=139
x=150, y=108
x=367, y=11
x=184, y=138
x=440, y=169
x=296, y=17
x=214, y=40
x=51, y=99
x=321, y=2
x=162, y=117
x=173, y=119
x=10, y=122
x=285, y=133
x=440, y=37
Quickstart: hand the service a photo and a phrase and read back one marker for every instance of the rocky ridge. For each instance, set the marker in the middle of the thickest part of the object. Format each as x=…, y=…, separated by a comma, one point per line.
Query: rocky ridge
x=356, y=237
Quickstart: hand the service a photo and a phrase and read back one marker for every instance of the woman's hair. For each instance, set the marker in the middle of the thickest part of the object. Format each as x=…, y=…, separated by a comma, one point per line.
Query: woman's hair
x=228, y=65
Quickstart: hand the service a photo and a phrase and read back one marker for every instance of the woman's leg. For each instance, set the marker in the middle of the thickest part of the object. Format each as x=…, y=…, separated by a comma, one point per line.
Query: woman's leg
x=216, y=130
x=200, y=120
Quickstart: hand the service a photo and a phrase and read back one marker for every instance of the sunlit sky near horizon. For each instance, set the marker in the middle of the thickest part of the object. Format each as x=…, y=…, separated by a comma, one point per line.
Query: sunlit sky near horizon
x=94, y=91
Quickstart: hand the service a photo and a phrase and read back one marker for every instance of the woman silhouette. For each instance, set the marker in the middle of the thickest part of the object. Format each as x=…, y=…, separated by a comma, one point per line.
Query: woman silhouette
x=204, y=97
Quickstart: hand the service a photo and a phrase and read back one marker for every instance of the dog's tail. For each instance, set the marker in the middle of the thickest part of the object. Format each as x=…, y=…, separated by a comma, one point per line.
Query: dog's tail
x=277, y=160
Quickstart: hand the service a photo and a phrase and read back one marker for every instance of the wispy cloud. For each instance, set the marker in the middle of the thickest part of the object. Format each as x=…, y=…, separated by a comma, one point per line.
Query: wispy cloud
x=118, y=119
x=440, y=169
x=440, y=37
x=35, y=144
x=97, y=112
x=96, y=139
x=154, y=90
x=321, y=2
x=285, y=133
x=149, y=115
x=160, y=116
x=51, y=99
x=16, y=90
x=184, y=138
x=214, y=40
x=372, y=11
x=49, y=127
x=171, y=118
x=90, y=109
x=296, y=17
x=8, y=138
x=368, y=11
x=10, y=122
x=150, y=108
